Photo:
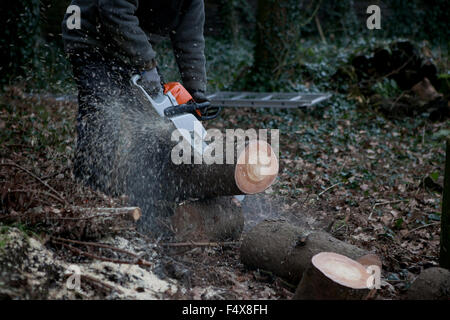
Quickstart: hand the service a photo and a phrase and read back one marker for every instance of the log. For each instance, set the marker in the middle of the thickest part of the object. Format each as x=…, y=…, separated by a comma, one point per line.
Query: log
x=217, y=219
x=244, y=176
x=79, y=222
x=128, y=148
x=431, y=284
x=287, y=250
x=333, y=276
x=126, y=213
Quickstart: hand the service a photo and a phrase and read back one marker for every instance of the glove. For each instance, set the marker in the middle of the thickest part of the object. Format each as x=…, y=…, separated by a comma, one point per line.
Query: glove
x=151, y=81
x=199, y=96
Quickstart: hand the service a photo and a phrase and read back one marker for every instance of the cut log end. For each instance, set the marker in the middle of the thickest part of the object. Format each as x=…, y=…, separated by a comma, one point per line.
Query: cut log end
x=342, y=270
x=136, y=213
x=332, y=276
x=257, y=167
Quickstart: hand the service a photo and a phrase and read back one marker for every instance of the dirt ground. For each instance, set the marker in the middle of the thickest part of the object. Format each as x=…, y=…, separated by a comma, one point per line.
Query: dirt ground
x=383, y=202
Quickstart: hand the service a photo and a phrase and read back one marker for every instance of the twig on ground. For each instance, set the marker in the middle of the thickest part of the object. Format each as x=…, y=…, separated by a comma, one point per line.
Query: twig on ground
x=96, y=283
x=329, y=188
x=60, y=198
x=94, y=256
x=51, y=195
x=382, y=204
x=99, y=245
x=424, y=226
x=198, y=244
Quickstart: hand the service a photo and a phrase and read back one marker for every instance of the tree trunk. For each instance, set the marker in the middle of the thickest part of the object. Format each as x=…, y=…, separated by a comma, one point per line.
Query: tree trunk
x=276, y=36
x=444, y=258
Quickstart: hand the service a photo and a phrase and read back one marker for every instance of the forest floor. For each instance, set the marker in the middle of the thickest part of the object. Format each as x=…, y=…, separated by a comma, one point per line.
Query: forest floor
x=362, y=180
x=368, y=180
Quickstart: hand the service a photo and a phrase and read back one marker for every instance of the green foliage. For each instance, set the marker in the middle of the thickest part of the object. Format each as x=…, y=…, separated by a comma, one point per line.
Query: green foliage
x=18, y=38
x=52, y=71
x=386, y=88
x=420, y=19
x=225, y=62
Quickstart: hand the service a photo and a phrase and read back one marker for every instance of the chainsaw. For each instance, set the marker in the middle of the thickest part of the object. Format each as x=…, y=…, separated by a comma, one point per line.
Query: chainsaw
x=176, y=104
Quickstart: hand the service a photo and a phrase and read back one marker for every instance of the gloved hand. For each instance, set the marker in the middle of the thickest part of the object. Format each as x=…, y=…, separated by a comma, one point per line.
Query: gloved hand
x=151, y=81
x=199, y=96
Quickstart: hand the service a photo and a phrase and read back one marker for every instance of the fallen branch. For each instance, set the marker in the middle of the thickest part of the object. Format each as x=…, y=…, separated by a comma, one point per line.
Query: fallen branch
x=78, y=222
x=51, y=195
x=96, y=257
x=424, y=226
x=97, y=283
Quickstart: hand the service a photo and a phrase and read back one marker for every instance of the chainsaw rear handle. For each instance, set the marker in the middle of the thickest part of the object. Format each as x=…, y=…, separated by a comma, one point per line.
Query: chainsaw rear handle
x=202, y=111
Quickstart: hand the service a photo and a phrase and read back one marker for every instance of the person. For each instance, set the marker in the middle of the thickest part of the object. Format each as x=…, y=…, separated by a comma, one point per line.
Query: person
x=112, y=43
x=121, y=29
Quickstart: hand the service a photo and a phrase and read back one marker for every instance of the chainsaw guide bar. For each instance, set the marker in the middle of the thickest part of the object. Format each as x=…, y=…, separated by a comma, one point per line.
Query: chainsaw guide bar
x=266, y=99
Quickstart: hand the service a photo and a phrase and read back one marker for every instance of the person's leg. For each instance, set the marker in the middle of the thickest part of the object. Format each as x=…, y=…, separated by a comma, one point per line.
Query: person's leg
x=101, y=85
x=119, y=147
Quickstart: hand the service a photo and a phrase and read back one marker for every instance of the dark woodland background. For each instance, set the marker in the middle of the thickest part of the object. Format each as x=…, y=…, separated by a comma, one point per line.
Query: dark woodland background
x=30, y=39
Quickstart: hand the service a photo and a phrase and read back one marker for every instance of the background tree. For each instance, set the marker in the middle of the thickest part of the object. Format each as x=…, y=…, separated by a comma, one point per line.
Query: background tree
x=444, y=259
x=277, y=34
x=18, y=38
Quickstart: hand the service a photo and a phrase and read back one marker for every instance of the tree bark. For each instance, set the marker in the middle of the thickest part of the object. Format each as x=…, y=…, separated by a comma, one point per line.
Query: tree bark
x=277, y=33
x=444, y=256
x=217, y=219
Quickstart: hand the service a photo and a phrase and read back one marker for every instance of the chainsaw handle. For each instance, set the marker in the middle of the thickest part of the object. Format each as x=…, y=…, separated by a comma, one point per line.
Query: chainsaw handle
x=211, y=113
x=184, y=108
x=201, y=111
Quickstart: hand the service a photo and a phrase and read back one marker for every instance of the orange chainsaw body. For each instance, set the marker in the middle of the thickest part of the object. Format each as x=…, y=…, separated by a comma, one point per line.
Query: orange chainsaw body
x=179, y=93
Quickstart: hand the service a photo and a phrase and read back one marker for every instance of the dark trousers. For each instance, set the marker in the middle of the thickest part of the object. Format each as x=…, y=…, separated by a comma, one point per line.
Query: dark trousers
x=103, y=83
x=118, y=144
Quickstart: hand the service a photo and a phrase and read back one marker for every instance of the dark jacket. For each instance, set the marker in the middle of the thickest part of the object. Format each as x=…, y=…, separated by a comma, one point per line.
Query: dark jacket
x=121, y=28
